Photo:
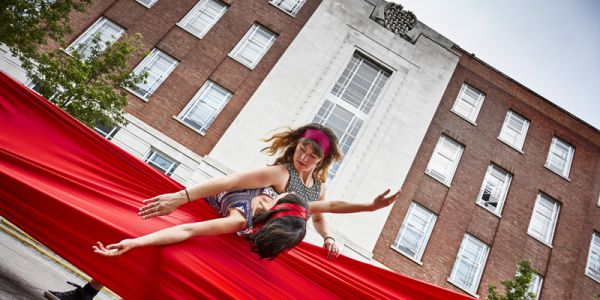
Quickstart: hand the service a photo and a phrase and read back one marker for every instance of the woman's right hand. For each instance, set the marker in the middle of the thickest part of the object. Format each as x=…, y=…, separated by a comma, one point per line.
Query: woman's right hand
x=162, y=205
x=114, y=249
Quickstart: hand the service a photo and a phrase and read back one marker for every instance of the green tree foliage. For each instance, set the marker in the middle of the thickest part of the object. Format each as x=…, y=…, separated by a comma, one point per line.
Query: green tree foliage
x=27, y=24
x=517, y=287
x=89, y=88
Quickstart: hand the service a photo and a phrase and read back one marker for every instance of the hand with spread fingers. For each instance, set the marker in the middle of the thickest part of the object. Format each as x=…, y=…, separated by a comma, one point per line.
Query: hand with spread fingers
x=161, y=205
x=384, y=199
x=114, y=249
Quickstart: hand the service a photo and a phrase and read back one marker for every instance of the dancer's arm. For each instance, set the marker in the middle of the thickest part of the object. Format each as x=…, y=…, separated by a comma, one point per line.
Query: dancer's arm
x=232, y=223
x=257, y=178
x=342, y=207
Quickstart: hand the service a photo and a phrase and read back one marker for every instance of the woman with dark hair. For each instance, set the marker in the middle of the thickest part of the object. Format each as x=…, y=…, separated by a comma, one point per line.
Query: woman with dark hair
x=278, y=224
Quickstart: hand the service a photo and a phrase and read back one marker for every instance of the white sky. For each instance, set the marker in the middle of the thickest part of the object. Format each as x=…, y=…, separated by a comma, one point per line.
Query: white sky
x=550, y=46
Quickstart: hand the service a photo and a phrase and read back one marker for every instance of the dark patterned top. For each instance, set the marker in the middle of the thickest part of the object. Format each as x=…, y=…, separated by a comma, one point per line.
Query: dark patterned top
x=296, y=185
x=240, y=200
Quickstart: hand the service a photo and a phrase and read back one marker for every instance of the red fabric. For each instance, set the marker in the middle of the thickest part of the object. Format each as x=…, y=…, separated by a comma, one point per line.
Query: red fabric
x=68, y=187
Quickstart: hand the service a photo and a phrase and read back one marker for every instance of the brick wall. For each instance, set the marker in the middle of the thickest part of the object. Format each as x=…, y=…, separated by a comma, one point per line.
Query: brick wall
x=561, y=265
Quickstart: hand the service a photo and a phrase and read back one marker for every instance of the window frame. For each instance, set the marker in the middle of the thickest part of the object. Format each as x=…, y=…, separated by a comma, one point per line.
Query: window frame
x=294, y=11
x=479, y=104
x=153, y=153
x=569, y=160
x=107, y=135
x=593, y=245
x=506, y=187
x=141, y=67
x=547, y=240
x=522, y=135
x=246, y=40
x=456, y=161
x=537, y=281
x=195, y=12
x=423, y=240
x=147, y=5
x=88, y=36
x=481, y=265
x=199, y=98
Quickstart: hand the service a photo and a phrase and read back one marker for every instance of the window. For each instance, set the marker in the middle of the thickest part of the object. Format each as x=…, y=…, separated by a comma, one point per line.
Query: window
x=560, y=157
x=494, y=189
x=535, y=286
x=514, y=130
x=349, y=103
x=203, y=16
x=161, y=162
x=205, y=106
x=415, y=231
x=543, y=219
x=158, y=65
x=592, y=268
x=469, y=264
x=468, y=103
x=289, y=6
x=147, y=3
x=107, y=33
x=106, y=131
x=444, y=160
x=253, y=46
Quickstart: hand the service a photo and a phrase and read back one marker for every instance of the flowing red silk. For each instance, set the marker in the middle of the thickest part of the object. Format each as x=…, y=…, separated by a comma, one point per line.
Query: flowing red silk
x=68, y=187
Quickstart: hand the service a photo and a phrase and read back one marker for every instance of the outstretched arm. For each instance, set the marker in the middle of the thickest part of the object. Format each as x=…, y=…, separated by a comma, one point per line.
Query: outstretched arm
x=343, y=207
x=232, y=223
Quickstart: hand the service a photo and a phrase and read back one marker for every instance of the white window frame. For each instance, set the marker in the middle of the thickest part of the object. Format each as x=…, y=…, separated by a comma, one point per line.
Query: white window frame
x=520, y=140
x=338, y=100
x=476, y=107
x=408, y=222
x=568, y=160
x=454, y=160
x=84, y=41
x=108, y=135
x=142, y=67
x=536, y=215
x=152, y=154
x=248, y=39
x=284, y=5
x=147, y=4
x=504, y=189
x=198, y=102
x=536, y=285
x=595, y=250
x=480, y=264
x=200, y=10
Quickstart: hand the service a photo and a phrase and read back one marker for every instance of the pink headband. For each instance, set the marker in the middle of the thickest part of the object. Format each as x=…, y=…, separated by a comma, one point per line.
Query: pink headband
x=319, y=137
x=292, y=210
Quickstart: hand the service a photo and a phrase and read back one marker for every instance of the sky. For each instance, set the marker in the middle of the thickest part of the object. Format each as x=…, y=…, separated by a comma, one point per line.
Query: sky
x=550, y=46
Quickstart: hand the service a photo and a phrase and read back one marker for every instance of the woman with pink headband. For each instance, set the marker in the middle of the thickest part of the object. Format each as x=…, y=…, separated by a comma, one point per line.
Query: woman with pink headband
x=304, y=157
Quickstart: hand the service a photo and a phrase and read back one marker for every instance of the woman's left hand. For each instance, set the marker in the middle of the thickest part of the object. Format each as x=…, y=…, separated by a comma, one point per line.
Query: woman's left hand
x=332, y=249
x=384, y=199
x=114, y=249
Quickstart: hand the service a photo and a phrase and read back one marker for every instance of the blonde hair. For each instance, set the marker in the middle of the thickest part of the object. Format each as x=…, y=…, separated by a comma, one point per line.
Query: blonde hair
x=285, y=143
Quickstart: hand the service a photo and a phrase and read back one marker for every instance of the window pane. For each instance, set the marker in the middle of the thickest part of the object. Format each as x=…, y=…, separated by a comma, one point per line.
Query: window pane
x=560, y=157
x=161, y=162
x=593, y=265
x=250, y=50
x=494, y=189
x=349, y=102
x=205, y=106
x=158, y=65
x=203, y=16
x=444, y=160
x=469, y=264
x=289, y=6
x=468, y=103
x=514, y=130
x=107, y=33
x=415, y=231
x=543, y=219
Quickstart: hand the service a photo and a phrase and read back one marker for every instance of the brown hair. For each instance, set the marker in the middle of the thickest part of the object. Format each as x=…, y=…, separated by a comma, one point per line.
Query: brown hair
x=286, y=142
x=278, y=234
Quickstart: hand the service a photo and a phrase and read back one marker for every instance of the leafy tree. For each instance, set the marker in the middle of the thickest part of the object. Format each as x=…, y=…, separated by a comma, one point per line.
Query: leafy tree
x=27, y=24
x=517, y=288
x=89, y=87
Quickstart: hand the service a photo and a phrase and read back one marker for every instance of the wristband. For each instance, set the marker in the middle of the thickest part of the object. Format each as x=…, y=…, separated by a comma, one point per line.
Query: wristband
x=187, y=194
x=328, y=237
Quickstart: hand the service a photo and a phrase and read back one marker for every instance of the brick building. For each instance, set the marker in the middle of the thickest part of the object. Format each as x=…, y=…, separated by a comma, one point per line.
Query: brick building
x=502, y=174
x=206, y=59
